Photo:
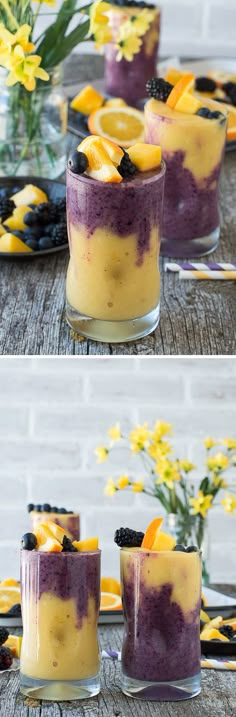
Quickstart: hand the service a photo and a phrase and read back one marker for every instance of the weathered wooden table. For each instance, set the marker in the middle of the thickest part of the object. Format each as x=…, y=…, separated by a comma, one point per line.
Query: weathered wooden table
x=217, y=698
x=196, y=317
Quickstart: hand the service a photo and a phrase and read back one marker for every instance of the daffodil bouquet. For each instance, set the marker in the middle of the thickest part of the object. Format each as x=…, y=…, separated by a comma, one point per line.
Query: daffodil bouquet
x=169, y=478
x=32, y=125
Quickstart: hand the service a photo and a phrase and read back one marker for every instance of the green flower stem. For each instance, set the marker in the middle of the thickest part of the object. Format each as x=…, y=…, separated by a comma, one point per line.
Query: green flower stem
x=12, y=20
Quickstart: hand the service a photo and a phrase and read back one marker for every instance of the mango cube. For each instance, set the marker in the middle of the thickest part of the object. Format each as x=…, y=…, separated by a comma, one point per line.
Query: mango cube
x=13, y=642
x=10, y=243
x=84, y=545
x=2, y=230
x=163, y=541
x=145, y=156
x=87, y=100
x=100, y=165
x=115, y=102
x=29, y=195
x=16, y=220
x=188, y=103
x=113, y=150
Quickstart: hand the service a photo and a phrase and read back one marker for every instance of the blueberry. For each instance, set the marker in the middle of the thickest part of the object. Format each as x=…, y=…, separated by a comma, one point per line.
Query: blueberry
x=29, y=541
x=67, y=545
x=15, y=610
x=45, y=243
x=30, y=218
x=204, y=112
x=4, y=193
x=180, y=548
x=54, y=509
x=30, y=507
x=46, y=508
x=18, y=234
x=48, y=229
x=61, y=510
x=192, y=549
x=15, y=190
x=78, y=162
x=38, y=508
x=32, y=244
x=36, y=231
x=217, y=115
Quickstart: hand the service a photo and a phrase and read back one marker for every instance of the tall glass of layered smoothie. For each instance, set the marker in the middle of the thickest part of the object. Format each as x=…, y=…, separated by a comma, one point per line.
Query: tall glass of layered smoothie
x=124, y=78
x=67, y=519
x=161, y=595
x=192, y=138
x=113, y=284
x=60, y=605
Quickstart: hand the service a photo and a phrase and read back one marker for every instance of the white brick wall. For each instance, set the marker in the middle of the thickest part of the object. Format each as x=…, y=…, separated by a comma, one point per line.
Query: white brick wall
x=54, y=411
x=190, y=28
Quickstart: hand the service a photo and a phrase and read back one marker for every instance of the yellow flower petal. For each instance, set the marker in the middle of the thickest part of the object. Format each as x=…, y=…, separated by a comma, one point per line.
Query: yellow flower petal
x=102, y=453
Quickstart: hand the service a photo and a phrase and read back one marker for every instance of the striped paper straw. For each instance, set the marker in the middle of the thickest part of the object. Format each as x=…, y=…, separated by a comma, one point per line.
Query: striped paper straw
x=205, y=663
x=208, y=275
x=196, y=266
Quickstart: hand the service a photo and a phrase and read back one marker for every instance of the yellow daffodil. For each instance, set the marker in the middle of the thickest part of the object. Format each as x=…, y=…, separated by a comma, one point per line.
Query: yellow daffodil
x=110, y=487
x=219, y=482
x=229, y=503
x=98, y=15
x=101, y=36
x=6, y=40
x=217, y=463
x=48, y=2
x=137, y=486
x=128, y=47
x=160, y=430
x=21, y=37
x=201, y=504
x=139, y=438
x=115, y=432
x=139, y=24
x=101, y=453
x=122, y=482
x=167, y=472
x=186, y=466
x=157, y=450
x=230, y=443
x=25, y=69
x=234, y=460
x=209, y=443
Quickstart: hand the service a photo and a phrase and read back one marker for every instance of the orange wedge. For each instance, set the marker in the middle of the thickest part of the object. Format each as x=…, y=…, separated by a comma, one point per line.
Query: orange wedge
x=151, y=533
x=87, y=100
x=100, y=165
x=231, y=127
x=110, y=601
x=173, y=76
x=182, y=86
x=110, y=585
x=123, y=125
x=84, y=545
x=9, y=582
x=47, y=531
x=113, y=150
x=9, y=596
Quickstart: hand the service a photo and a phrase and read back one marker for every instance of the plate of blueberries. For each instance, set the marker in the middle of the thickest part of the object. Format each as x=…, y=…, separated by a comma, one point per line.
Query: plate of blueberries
x=43, y=227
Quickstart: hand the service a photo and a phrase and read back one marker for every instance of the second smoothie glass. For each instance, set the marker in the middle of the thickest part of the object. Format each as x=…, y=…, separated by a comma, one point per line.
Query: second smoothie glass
x=60, y=606
x=113, y=282
x=161, y=595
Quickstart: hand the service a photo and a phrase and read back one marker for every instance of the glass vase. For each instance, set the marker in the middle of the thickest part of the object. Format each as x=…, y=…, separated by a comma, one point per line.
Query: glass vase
x=192, y=530
x=33, y=128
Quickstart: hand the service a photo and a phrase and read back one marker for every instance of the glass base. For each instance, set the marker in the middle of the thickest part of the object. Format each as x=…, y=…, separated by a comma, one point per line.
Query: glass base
x=190, y=248
x=162, y=691
x=59, y=690
x=112, y=331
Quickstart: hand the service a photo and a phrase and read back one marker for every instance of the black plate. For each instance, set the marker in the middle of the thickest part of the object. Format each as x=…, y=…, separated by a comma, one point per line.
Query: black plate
x=54, y=190
x=222, y=649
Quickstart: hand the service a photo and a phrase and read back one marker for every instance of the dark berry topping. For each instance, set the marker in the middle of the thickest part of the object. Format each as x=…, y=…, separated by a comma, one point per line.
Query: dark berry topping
x=54, y=509
x=30, y=507
x=192, y=549
x=62, y=510
x=78, y=162
x=32, y=243
x=30, y=218
x=158, y=88
x=126, y=167
x=5, y=658
x=230, y=90
x=46, y=212
x=38, y=508
x=227, y=631
x=205, y=84
x=59, y=234
x=125, y=537
x=4, y=634
x=61, y=205
x=15, y=610
x=6, y=208
x=207, y=114
x=45, y=243
x=46, y=508
x=29, y=541
x=132, y=3
x=180, y=548
x=67, y=546
x=18, y=234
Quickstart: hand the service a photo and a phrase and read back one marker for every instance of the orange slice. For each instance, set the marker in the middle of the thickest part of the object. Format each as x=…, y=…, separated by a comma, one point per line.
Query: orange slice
x=151, y=533
x=110, y=601
x=84, y=545
x=123, y=125
x=113, y=150
x=110, y=585
x=14, y=642
x=9, y=596
x=183, y=85
x=100, y=165
x=9, y=582
x=87, y=100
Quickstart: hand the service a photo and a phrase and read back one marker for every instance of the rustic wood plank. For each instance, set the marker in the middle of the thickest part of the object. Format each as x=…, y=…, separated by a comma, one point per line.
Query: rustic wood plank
x=196, y=317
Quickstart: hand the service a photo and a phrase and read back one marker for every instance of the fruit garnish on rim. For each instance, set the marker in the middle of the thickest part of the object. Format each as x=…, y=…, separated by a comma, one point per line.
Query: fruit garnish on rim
x=153, y=539
x=48, y=537
x=180, y=98
x=105, y=161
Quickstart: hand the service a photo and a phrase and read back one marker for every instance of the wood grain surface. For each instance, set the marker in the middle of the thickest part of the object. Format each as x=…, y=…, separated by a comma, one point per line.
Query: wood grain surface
x=217, y=698
x=196, y=317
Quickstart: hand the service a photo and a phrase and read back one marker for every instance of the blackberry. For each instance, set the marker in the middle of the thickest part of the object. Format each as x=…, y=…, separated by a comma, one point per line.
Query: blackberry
x=4, y=634
x=6, y=208
x=46, y=213
x=180, y=548
x=15, y=610
x=78, y=162
x=60, y=204
x=5, y=658
x=59, y=234
x=126, y=167
x=125, y=537
x=205, y=84
x=29, y=541
x=158, y=88
x=227, y=631
x=68, y=547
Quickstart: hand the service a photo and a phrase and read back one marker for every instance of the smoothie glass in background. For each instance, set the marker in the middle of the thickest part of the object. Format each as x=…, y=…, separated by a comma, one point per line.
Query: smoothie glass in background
x=161, y=594
x=113, y=281
x=193, y=149
x=69, y=521
x=128, y=79
x=60, y=605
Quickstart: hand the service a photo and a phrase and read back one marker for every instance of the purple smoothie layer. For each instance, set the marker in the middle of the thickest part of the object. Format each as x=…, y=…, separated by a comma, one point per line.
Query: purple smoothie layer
x=66, y=575
x=165, y=646
x=132, y=207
